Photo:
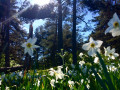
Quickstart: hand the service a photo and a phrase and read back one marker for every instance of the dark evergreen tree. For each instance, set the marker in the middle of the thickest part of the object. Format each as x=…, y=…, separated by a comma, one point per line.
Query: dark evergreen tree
x=60, y=33
x=74, y=34
x=10, y=27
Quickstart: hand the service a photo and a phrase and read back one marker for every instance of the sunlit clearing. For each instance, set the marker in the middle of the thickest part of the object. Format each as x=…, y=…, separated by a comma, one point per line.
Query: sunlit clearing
x=40, y=2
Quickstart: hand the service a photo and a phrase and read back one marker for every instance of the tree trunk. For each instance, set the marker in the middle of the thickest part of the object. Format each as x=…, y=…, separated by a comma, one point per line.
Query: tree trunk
x=7, y=61
x=30, y=36
x=54, y=63
x=30, y=31
x=60, y=34
x=74, y=33
x=27, y=63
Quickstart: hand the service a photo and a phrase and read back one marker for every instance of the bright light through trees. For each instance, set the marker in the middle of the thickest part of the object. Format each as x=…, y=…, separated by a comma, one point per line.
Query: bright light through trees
x=40, y=2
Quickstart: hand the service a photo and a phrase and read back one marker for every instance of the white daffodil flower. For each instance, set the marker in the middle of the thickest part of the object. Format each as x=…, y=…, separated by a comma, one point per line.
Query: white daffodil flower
x=7, y=88
x=81, y=54
x=81, y=64
x=59, y=68
x=88, y=86
x=71, y=84
x=92, y=46
x=0, y=82
x=52, y=82
x=58, y=73
x=20, y=74
x=82, y=80
x=30, y=45
x=38, y=83
x=66, y=69
x=114, y=26
x=111, y=53
x=96, y=60
x=118, y=65
x=112, y=68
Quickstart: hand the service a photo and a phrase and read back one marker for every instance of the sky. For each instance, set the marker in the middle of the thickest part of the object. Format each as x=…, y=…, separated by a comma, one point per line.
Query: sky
x=88, y=17
x=35, y=24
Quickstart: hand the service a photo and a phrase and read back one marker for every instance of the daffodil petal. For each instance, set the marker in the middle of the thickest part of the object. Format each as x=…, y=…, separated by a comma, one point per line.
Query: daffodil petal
x=108, y=48
x=30, y=52
x=115, y=32
x=99, y=43
x=91, y=39
x=25, y=50
x=110, y=23
x=113, y=50
x=34, y=41
x=108, y=29
x=112, y=57
x=35, y=46
x=115, y=17
x=86, y=46
x=98, y=50
x=91, y=52
x=116, y=54
x=29, y=40
x=24, y=44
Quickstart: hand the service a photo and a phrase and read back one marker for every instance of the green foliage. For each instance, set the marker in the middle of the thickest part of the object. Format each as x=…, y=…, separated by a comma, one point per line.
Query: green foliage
x=12, y=62
x=2, y=60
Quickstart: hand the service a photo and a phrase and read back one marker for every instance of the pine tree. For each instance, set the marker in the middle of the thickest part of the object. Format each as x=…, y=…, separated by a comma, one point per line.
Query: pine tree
x=74, y=34
x=11, y=32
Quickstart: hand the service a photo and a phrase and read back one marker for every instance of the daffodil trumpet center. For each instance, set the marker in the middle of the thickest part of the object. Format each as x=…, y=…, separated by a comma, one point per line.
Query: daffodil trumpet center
x=116, y=24
x=70, y=86
x=29, y=45
x=56, y=74
x=110, y=54
x=92, y=45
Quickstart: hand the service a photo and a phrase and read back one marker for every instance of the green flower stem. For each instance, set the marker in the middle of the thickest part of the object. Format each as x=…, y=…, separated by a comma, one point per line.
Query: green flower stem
x=63, y=64
x=34, y=70
x=110, y=84
x=98, y=79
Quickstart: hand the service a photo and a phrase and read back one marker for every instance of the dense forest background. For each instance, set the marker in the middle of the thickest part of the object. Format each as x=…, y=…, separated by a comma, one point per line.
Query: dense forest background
x=61, y=31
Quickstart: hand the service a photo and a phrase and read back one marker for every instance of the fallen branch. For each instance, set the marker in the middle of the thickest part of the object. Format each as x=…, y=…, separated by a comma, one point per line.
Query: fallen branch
x=10, y=69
